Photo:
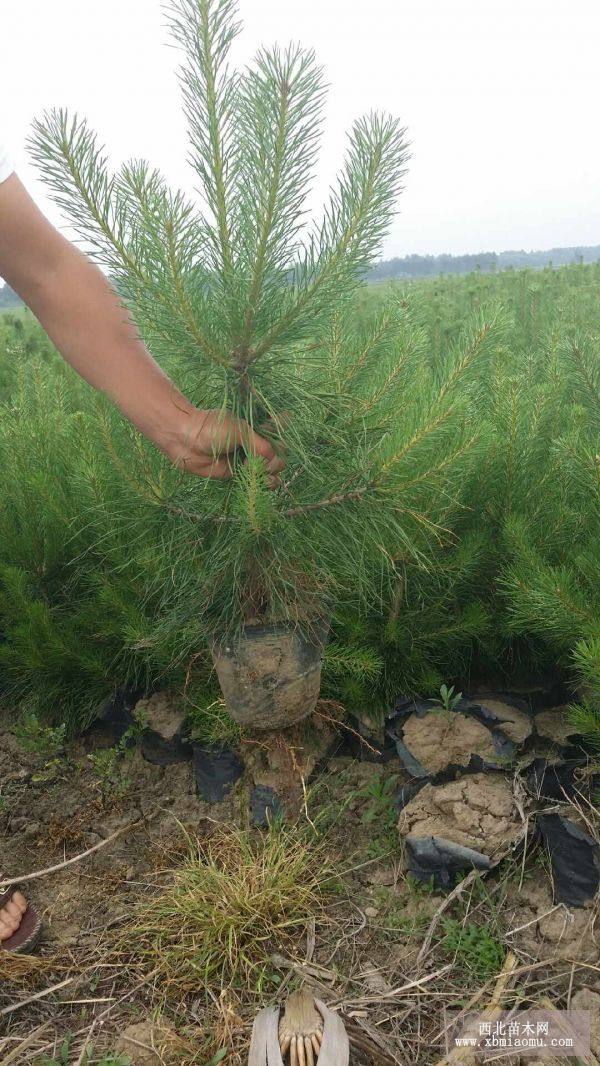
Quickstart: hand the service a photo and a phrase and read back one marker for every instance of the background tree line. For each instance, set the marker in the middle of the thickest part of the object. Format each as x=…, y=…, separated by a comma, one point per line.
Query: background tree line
x=422, y=266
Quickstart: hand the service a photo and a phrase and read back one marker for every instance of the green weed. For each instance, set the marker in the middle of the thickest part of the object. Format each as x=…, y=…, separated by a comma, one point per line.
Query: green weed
x=449, y=699
x=381, y=814
x=108, y=768
x=473, y=946
x=65, y=1057
x=40, y=739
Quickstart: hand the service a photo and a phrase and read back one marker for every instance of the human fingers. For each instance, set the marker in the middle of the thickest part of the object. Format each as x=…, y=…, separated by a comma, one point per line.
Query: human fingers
x=222, y=470
x=228, y=433
x=276, y=465
x=254, y=444
x=219, y=468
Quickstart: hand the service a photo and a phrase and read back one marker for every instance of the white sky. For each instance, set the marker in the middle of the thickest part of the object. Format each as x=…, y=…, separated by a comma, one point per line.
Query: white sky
x=500, y=97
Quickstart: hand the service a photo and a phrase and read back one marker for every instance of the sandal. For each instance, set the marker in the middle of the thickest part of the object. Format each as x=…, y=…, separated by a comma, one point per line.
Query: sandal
x=24, y=940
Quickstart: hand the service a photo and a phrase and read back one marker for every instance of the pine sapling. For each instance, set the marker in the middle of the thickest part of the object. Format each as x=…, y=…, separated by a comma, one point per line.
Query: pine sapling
x=250, y=306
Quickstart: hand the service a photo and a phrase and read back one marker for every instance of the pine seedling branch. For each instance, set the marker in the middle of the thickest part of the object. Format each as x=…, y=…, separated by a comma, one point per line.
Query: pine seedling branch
x=250, y=305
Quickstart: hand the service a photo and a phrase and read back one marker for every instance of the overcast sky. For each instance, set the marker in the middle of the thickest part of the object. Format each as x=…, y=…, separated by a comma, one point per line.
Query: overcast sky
x=500, y=98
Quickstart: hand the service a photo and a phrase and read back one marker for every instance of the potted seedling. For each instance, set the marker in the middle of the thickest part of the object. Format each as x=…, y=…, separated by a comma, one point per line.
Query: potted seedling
x=253, y=309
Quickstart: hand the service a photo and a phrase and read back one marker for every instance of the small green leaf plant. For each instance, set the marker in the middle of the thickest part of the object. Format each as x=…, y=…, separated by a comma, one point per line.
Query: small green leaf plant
x=449, y=699
x=38, y=738
x=109, y=764
x=447, y=702
x=65, y=1050
x=475, y=946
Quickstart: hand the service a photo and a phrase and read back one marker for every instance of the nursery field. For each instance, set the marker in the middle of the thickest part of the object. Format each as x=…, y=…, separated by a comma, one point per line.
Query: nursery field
x=461, y=703
x=501, y=481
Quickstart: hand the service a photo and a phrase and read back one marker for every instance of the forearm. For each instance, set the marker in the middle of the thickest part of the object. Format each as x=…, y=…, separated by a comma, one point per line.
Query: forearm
x=86, y=321
x=84, y=317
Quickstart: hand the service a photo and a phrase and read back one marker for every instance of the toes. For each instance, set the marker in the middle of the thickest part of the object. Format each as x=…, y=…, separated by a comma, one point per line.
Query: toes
x=13, y=911
x=10, y=919
x=5, y=931
x=11, y=915
x=20, y=901
x=304, y=1049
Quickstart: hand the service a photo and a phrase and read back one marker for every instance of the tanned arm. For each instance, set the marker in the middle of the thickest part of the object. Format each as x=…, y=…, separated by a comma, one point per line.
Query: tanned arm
x=85, y=319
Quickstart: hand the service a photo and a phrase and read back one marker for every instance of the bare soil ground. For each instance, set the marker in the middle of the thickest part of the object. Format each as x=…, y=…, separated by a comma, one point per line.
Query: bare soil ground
x=388, y=953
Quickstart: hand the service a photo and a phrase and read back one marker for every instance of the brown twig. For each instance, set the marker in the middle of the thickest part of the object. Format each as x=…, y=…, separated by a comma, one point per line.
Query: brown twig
x=393, y=993
x=338, y=497
x=37, y=995
x=100, y=1018
x=456, y=892
x=23, y=878
x=546, y=1004
x=14, y=1055
x=364, y=1043
x=320, y=713
x=86, y=1042
x=289, y=512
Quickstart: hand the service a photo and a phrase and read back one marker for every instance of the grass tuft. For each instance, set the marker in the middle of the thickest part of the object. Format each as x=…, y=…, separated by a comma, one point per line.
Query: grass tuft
x=232, y=901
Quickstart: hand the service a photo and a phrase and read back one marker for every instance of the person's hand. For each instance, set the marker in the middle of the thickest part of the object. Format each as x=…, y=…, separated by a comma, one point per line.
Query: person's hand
x=203, y=443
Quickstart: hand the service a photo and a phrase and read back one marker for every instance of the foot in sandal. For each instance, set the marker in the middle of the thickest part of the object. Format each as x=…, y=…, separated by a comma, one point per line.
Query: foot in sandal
x=20, y=925
x=307, y=1034
x=11, y=915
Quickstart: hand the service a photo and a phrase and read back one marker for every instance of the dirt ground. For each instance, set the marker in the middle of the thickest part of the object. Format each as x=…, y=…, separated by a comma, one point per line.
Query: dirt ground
x=389, y=956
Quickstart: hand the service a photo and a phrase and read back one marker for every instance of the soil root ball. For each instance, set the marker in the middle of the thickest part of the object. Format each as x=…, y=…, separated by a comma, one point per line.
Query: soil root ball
x=271, y=676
